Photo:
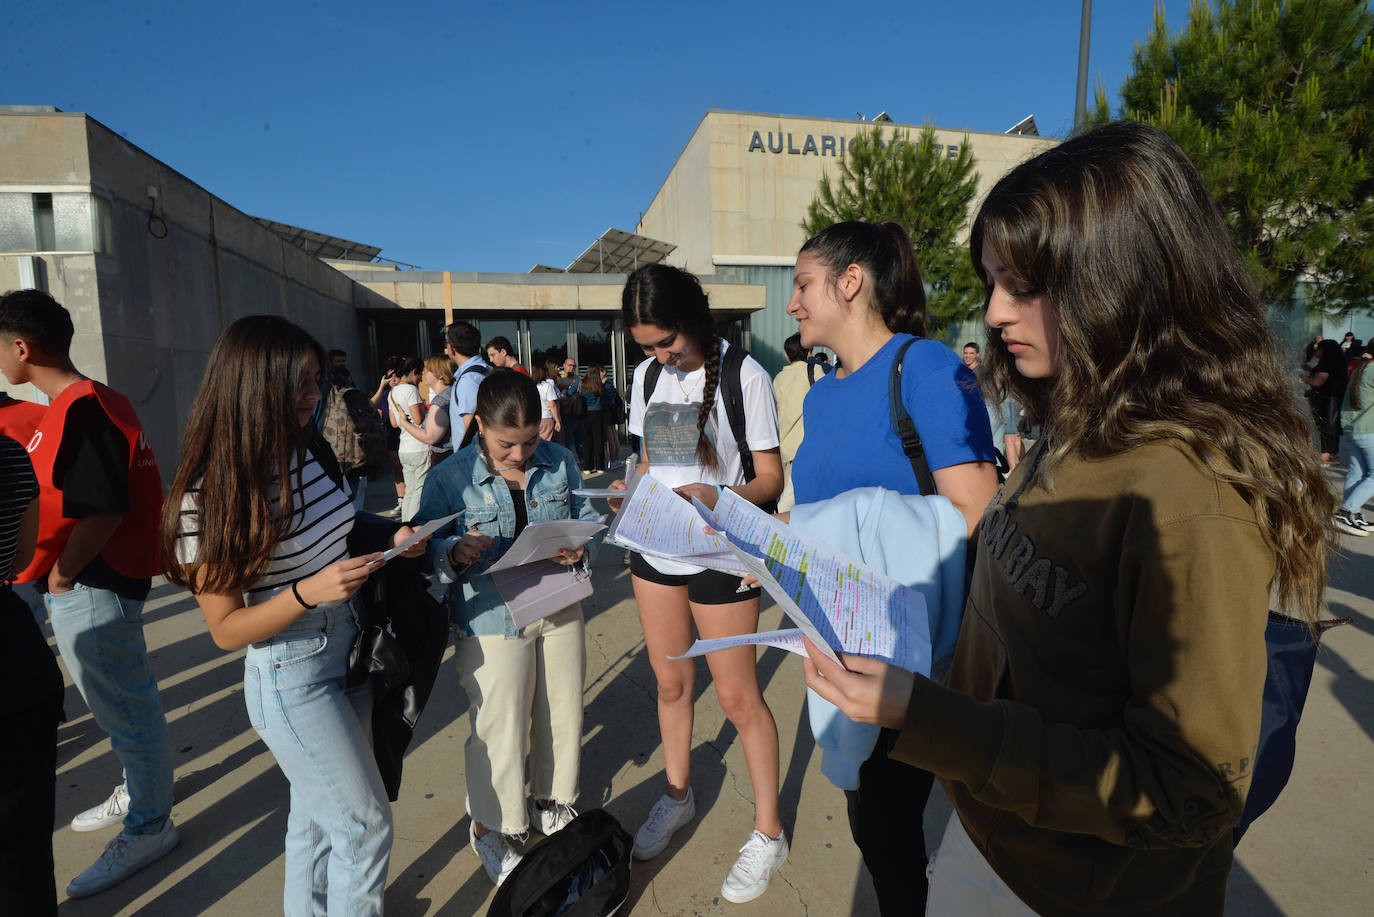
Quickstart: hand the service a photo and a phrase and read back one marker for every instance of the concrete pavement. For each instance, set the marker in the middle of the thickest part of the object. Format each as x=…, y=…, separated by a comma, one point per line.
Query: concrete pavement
x=1311, y=854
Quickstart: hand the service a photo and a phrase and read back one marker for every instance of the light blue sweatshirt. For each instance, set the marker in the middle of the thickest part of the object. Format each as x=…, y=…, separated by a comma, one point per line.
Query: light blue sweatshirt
x=918, y=541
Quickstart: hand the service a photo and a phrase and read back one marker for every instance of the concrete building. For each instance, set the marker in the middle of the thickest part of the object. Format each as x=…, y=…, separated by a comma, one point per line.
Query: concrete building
x=734, y=201
x=151, y=265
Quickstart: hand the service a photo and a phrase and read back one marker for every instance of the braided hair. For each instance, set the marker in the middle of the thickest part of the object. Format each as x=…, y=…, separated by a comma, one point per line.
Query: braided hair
x=673, y=299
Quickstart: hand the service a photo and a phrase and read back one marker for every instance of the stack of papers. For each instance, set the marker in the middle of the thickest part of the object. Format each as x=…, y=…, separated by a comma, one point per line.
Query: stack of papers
x=534, y=585
x=835, y=600
x=656, y=520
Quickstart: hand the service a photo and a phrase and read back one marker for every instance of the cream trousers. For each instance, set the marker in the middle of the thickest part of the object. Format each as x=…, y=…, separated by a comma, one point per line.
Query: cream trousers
x=524, y=698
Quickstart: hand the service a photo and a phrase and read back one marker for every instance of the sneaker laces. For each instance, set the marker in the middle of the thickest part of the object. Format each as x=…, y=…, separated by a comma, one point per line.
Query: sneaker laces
x=754, y=850
x=660, y=813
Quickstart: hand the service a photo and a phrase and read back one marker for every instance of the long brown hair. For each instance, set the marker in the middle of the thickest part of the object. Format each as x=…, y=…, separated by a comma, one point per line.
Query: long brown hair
x=672, y=299
x=593, y=381
x=241, y=439
x=1162, y=333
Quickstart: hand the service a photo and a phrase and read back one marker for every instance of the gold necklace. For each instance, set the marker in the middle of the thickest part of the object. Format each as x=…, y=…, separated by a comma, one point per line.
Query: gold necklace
x=686, y=390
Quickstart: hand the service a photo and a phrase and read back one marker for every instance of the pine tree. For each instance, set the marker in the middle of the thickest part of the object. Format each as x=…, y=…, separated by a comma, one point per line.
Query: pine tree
x=1270, y=99
x=914, y=184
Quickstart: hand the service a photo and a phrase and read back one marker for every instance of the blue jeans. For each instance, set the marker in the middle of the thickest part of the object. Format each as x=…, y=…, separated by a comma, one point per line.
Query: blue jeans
x=100, y=635
x=338, y=833
x=1359, y=479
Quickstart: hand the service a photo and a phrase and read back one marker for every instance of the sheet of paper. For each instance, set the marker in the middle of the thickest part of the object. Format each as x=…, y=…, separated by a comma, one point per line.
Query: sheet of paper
x=423, y=532
x=790, y=640
x=537, y=590
x=631, y=475
x=542, y=540
x=851, y=606
x=785, y=601
x=656, y=520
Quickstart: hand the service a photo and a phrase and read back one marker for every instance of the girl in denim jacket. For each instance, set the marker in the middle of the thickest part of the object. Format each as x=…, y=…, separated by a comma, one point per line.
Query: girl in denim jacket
x=524, y=685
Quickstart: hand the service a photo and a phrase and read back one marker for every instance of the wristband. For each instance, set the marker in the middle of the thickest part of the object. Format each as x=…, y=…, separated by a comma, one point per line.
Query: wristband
x=297, y=593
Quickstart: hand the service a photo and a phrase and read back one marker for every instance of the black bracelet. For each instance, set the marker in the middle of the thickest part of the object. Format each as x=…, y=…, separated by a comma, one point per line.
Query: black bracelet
x=297, y=593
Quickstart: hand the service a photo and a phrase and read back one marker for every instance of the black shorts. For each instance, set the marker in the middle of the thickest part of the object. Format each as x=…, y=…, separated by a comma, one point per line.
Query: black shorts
x=709, y=587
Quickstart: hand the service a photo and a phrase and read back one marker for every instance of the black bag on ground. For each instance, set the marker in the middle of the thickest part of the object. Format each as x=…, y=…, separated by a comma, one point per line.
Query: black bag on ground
x=582, y=871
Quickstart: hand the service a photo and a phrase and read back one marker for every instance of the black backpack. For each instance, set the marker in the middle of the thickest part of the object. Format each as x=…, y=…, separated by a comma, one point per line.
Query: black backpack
x=582, y=871
x=730, y=390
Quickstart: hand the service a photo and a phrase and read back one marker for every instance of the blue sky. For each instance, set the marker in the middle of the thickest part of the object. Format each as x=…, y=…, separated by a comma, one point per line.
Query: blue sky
x=491, y=136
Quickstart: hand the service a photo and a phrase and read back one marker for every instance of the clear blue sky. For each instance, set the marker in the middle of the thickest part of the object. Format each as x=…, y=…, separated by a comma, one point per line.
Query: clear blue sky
x=491, y=136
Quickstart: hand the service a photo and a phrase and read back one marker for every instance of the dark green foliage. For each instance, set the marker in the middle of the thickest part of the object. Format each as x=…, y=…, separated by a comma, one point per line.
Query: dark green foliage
x=917, y=185
x=1271, y=101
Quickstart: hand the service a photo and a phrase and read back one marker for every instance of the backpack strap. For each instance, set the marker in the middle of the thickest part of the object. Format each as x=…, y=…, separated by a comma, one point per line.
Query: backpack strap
x=650, y=382
x=903, y=426
x=730, y=389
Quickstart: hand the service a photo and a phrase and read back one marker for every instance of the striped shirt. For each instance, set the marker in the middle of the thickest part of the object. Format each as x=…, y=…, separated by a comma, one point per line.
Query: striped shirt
x=316, y=539
x=18, y=486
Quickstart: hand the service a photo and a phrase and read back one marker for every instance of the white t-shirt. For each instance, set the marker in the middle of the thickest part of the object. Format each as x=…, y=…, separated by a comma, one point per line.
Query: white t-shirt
x=669, y=430
x=548, y=391
x=402, y=397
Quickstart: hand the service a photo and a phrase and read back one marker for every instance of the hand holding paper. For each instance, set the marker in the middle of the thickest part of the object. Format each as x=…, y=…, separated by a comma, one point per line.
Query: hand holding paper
x=416, y=537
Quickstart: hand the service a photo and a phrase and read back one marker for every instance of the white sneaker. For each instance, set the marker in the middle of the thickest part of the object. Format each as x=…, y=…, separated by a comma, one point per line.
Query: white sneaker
x=497, y=855
x=664, y=819
x=551, y=820
x=109, y=812
x=759, y=858
x=123, y=856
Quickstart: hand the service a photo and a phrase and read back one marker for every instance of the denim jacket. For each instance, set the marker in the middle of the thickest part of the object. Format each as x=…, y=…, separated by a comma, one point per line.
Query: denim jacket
x=464, y=483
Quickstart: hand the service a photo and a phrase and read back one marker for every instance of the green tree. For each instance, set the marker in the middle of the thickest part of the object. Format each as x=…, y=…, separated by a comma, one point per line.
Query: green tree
x=1270, y=99
x=917, y=185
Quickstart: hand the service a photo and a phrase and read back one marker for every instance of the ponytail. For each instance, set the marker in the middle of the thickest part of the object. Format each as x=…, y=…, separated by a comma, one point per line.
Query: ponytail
x=885, y=253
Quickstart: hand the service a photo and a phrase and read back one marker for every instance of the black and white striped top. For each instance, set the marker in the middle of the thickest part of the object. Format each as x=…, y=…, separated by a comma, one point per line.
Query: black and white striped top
x=17, y=487
x=315, y=541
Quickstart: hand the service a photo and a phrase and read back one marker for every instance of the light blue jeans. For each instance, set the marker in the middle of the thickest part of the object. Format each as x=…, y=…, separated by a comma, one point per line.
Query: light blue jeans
x=100, y=636
x=338, y=833
x=1359, y=479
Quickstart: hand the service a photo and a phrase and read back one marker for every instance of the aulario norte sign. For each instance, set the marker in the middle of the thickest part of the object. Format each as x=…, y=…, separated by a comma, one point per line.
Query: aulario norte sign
x=830, y=145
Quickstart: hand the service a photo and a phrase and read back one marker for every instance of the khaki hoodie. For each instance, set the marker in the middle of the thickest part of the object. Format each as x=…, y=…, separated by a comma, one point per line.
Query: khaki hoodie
x=1103, y=710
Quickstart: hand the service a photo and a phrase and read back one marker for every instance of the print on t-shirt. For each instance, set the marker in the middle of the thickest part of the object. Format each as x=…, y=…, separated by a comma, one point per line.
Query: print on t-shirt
x=670, y=433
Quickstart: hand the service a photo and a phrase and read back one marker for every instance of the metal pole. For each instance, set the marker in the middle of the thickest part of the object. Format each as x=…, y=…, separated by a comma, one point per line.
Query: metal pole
x=1080, y=107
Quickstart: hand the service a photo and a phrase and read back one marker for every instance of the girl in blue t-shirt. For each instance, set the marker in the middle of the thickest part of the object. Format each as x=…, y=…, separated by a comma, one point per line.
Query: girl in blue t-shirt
x=857, y=290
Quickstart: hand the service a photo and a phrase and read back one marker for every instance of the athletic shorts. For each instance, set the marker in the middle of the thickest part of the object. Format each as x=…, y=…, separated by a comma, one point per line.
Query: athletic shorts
x=709, y=587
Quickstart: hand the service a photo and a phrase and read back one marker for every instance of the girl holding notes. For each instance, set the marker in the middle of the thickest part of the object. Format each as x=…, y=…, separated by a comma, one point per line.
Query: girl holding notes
x=524, y=684
x=257, y=524
x=1099, y=727
x=857, y=290
x=689, y=444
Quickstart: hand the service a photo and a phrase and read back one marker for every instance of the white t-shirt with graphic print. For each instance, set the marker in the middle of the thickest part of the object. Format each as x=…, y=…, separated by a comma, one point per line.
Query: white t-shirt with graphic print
x=669, y=430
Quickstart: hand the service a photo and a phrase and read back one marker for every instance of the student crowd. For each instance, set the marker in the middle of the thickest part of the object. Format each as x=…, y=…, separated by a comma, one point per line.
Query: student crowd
x=1097, y=621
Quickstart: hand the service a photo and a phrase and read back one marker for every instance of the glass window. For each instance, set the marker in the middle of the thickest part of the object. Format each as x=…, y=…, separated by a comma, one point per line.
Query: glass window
x=593, y=342
x=548, y=340
x=495, y=327
x=72, y=222
x=102, y=226
x=16, y=222
x=44, y=233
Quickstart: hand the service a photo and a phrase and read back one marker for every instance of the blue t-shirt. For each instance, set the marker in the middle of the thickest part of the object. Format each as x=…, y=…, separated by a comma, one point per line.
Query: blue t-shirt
x=849, y=439
x=463, y=395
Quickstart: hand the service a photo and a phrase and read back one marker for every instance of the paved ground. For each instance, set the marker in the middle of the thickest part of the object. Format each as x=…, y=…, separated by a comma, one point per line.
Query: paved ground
x=1310, y=855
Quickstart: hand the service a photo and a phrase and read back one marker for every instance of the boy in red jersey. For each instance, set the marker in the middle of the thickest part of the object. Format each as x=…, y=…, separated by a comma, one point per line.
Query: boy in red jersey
x=100, y=499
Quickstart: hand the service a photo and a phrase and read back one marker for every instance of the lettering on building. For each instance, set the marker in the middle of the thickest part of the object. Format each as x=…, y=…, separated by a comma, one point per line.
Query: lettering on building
x=788, y=143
